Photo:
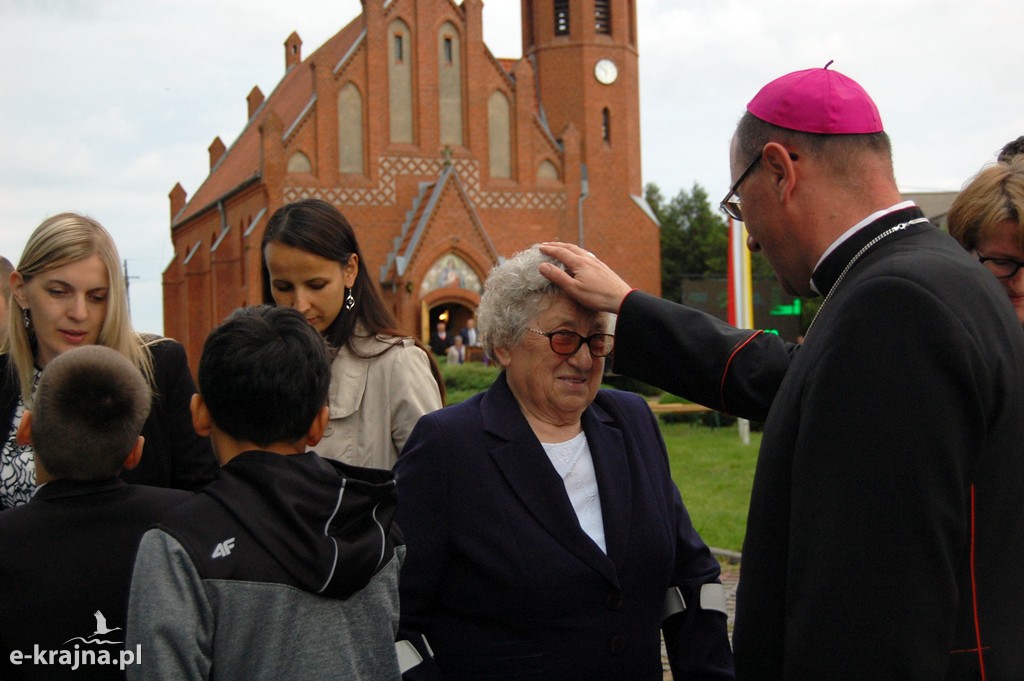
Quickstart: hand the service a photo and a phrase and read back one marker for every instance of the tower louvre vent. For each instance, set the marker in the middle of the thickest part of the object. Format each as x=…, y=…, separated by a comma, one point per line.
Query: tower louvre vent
x=561, y=17
x=603, y=16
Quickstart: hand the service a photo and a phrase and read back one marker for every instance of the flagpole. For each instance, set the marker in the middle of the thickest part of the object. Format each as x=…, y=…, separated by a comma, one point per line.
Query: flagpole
x=740, y=299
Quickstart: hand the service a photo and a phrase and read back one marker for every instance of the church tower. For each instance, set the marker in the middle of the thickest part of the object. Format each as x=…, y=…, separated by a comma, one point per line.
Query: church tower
x=585, y=56
x=444, y=158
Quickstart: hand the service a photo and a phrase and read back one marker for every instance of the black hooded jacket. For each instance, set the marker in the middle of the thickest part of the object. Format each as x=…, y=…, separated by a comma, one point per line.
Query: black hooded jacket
x=280, y=559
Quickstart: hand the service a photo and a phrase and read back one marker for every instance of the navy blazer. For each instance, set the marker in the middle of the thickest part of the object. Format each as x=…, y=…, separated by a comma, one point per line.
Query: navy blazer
x=503, y=582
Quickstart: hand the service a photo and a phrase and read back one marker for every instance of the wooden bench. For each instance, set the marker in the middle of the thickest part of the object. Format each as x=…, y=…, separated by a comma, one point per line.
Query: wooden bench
x=677, y=408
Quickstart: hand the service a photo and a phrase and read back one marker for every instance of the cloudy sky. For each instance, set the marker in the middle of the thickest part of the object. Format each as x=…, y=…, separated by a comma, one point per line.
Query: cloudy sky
x=106, y=104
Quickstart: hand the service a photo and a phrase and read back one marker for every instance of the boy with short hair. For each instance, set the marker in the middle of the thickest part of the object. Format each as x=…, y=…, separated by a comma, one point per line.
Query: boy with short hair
x=286, y=566
x=66, y=557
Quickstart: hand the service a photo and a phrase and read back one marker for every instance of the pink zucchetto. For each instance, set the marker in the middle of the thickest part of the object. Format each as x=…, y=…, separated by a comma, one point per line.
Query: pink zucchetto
x=819, y=101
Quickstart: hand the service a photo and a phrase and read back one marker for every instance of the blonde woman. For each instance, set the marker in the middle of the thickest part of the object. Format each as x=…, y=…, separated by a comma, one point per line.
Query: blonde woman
x=67, y=291
x=987, y=218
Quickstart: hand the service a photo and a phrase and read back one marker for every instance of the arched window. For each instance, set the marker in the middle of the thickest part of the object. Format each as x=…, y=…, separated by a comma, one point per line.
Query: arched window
x=449, y=59
x=499, y=133
x=350, y=129
x=451, y=271
x=400, y=83
x=299, y=163
x=547, y=171
x=606, y=125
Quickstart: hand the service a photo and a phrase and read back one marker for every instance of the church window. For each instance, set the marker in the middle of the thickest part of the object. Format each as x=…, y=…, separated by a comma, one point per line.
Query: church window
x=547, y=171
x=299, y=163
x=449, y=85
x=350, y=129
x=603, y=16
x=606, y=125
x=561, y=17
x=400, y=96
x=451, y=271
x=499, y=135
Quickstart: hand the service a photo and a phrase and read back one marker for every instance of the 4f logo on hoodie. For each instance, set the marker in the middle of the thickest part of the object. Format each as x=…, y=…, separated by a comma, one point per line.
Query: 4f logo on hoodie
x=223, y=549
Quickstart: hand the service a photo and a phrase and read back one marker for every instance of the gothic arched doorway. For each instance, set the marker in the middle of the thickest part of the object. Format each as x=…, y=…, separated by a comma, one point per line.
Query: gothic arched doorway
x=450, y=293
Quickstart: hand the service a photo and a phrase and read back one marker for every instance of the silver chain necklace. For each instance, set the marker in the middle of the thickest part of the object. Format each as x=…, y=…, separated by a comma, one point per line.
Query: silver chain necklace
x=867, y=246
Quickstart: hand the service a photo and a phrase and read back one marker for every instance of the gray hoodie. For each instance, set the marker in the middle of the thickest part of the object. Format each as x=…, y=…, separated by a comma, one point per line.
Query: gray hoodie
x=285, y=567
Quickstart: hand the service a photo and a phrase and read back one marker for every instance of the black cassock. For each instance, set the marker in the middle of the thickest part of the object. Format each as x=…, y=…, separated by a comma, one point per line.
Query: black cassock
x=885, y=537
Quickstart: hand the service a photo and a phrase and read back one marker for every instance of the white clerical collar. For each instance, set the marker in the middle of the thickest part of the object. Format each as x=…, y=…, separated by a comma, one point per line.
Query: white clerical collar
x=853, y=230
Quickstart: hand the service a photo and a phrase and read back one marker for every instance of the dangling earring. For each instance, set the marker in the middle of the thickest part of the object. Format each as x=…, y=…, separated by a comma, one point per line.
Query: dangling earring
x=350, y=302
x=25, y=317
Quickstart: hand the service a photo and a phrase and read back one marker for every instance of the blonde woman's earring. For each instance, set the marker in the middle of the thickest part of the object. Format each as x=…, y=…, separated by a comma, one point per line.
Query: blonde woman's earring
x=25, y=318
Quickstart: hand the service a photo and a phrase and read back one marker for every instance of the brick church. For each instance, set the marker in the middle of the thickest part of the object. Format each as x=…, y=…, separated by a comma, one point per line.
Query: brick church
x=444, y=158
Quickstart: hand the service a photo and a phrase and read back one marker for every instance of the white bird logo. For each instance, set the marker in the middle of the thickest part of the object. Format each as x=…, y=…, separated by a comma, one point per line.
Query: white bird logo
x=101, y=624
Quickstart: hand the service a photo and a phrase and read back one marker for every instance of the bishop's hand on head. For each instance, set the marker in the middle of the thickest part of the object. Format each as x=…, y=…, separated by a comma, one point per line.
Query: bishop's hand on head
x=586, y=278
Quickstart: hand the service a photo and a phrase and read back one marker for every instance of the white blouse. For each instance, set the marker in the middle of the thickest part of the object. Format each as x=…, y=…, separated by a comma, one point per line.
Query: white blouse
x=572, y=461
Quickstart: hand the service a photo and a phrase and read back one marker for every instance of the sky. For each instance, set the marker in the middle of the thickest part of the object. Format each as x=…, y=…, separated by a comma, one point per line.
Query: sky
x=106, y=104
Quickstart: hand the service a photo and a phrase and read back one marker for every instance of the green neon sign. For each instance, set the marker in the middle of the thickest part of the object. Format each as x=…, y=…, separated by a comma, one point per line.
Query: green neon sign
x=787, y=310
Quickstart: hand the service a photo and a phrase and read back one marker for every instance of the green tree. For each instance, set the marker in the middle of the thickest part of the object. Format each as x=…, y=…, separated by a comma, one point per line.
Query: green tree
x=694, y=240
x=695, y=243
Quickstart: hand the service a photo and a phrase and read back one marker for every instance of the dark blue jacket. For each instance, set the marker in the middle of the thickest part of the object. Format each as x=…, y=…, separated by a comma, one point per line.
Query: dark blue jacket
x=503, y=582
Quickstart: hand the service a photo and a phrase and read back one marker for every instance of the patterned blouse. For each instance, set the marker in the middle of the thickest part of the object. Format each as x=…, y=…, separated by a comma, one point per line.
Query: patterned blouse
x=17, y=463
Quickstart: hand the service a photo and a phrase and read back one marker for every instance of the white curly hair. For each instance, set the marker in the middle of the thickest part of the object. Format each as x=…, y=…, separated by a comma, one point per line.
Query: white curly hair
x=515, y=292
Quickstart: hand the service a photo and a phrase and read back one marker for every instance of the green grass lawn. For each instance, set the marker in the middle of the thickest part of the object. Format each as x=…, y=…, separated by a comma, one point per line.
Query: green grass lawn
x=714, y=472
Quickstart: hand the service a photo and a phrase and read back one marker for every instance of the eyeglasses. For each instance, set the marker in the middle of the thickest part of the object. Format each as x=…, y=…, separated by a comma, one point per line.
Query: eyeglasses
x=730, y=205
x=568, y=343
x=1003, y=268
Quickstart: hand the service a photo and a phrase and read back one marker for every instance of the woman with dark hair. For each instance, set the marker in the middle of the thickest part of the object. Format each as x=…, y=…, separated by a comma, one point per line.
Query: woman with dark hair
x=381, y=381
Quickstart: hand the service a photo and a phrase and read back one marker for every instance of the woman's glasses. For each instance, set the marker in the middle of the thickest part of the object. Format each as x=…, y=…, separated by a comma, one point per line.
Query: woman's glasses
x=569, y=342
x=1003, y=268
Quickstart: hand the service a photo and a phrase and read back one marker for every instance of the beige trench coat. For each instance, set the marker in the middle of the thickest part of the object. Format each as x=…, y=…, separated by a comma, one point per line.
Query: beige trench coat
x=375, y=402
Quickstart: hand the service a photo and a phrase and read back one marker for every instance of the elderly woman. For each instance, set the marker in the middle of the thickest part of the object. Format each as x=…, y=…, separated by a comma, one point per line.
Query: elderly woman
x=987, y=218
x=545, y=536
